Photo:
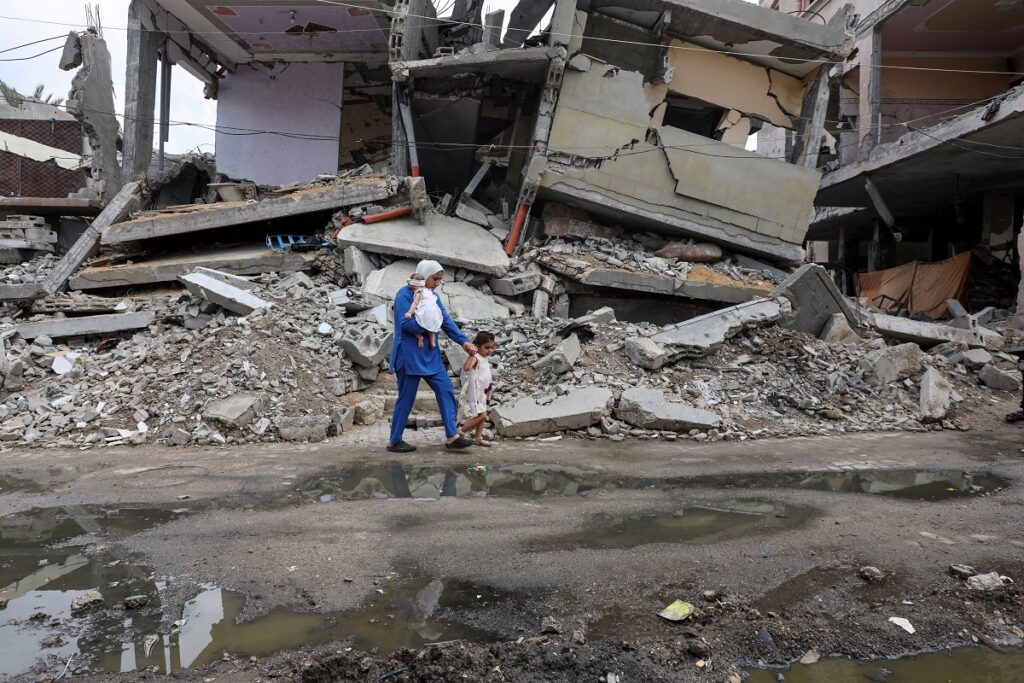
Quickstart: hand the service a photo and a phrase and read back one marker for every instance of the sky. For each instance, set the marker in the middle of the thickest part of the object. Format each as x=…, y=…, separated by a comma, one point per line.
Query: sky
x=49, y=19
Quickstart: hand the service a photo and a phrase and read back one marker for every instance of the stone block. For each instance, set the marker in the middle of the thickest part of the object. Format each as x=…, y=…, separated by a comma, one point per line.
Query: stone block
x=369, y=411
x=356, y=264
x=651, y=409
x=226, y=296
x=180, y=437
x=563, y=357
x=647, y=353
x=514, y=285
x=578, y=409
x=456, y=356
x=343, y=419
x=311, y=428
x=366, y=345
x=893, y=363
x=814, y=298
x=837, y=330
x=973, y=359
x=936, y=393
x=234, y=411
x=997, y=379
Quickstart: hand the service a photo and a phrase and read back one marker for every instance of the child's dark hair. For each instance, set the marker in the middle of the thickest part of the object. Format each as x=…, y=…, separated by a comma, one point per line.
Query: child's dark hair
x=483, y=337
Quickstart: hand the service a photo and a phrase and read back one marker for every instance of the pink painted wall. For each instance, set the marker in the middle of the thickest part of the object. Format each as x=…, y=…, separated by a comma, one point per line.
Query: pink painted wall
x=303, y=98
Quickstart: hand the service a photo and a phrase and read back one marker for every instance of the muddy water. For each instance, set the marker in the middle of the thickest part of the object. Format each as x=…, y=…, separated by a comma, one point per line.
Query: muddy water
x=689, y=524
x=970, y=665
x=396, y=480
x=50, y=556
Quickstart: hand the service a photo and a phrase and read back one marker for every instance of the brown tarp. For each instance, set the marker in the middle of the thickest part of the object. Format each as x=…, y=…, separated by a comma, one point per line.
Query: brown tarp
x=920, y=287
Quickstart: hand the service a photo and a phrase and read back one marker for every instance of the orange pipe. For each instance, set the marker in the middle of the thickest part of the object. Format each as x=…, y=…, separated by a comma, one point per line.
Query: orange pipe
x=387, y=215
x=517, y=227
x=416, y=171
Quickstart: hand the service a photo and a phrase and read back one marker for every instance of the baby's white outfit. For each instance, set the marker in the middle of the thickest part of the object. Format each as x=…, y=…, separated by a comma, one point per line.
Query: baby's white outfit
x=478, y=382
x=428, y=313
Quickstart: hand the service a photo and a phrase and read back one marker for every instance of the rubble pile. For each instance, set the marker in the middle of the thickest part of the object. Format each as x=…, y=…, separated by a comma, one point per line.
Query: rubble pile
x=32, y=271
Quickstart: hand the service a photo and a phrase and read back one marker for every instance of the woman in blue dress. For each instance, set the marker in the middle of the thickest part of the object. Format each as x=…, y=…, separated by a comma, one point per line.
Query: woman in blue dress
x=412, y=362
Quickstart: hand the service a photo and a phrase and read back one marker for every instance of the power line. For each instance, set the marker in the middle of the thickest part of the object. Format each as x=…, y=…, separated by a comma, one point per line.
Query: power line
x=34, y=42
x=23, y=59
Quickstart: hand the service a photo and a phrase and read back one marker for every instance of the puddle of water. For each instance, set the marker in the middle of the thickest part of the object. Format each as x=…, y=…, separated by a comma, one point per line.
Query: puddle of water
x=690, y=524
x=924, y=485
x=50, y=556
x=968, y=665
x=395, y=480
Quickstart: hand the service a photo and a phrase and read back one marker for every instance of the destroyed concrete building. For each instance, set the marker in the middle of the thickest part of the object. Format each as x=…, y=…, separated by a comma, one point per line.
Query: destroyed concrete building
x=920, y=160
x=586, y=183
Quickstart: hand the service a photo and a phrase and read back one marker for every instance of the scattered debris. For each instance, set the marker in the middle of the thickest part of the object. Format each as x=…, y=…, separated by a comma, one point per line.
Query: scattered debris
x=676, y=611
x=903, y=624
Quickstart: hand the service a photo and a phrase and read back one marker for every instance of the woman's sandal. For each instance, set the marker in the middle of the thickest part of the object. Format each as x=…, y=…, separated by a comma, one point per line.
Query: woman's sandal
x=483, y=442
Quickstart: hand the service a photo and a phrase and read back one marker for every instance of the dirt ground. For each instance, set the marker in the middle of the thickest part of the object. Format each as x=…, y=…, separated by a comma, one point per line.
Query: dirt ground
x=254, y=528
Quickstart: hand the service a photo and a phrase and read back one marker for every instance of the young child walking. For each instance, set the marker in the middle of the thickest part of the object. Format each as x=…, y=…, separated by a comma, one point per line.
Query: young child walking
x=479, y=386
x=424, y=308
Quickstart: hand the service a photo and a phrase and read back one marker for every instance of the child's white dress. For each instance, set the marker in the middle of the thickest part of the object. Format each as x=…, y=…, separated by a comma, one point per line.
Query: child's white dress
x=478, y=386
x=428, y=313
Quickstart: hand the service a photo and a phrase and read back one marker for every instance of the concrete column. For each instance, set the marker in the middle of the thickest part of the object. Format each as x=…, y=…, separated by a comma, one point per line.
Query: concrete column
x=841, y=260
x=870, y=91
x=140, y=94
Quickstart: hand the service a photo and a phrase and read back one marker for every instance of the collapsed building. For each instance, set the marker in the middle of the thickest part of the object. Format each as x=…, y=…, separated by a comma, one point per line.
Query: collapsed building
x=589, y=183
x=920, y=163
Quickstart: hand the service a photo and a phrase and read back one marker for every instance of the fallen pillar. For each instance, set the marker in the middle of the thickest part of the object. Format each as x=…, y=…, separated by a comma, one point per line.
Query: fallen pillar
x=651, y=409
x=86, y=325
x=223, y=214
x=936, y=392
x=243, y=260
x=931, y=334
x=453, y=242
x=814, y=298
x=234, y=299
x=577, y=409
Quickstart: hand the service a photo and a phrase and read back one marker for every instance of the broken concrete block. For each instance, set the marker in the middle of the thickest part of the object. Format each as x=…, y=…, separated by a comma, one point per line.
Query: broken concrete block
x=337, y=386
x=514, y=285
x=701, y=335
x=369, y=411
x=973, y=359
x=226, y=296
x=647, y=353
x=936, y=394
x=814, y=298
x=86, y=325
x=465, y=303
x=837, y=330
x=342, y=419
x=456, y=356
x=228, y=278
x=541, y=303
x=562, y=358
x=893, y=363
x=578, y=409
x=356, y=264
x=235, y=411
x=295, y=280
x=651, y=409
x=310, y=428
x=180, y=437
x=931, y=334
x=997, y=379
x=605, y=314
x=366, y=345
x=451, y=241
x=86, y=601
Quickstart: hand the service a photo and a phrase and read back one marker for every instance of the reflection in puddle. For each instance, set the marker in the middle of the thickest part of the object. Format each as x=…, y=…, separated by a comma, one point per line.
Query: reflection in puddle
x=691, y=524
x=395, y=480
x=926, y=485
x=39, y=634
x=968, y=665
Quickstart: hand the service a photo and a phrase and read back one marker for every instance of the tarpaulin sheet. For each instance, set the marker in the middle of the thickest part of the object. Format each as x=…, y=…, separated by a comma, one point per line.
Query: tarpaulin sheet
x=919, y=287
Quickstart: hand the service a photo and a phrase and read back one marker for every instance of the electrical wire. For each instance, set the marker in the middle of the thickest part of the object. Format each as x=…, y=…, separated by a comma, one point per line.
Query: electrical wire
x=34, y=42
x=24, y=59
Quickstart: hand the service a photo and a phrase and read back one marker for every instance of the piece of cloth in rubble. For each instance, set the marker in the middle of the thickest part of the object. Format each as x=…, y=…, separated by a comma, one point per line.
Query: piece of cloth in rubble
x=428, y=267
x=478, y=383
x=410, y=363
x=428, y=313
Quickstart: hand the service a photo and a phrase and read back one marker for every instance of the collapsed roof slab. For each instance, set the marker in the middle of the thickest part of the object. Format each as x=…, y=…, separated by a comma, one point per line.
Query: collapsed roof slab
x=50, y=206
x=775, y=39
x=528, y=64
x=199, y=217
x=925, y=169
x=242, y=260
x=449, y=240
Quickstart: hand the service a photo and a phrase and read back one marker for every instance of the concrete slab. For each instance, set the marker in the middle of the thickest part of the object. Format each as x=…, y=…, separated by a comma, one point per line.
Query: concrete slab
x=702, y=334
x=250, y=259
x=86, y=325
x=234, y=411
x=931, y=334
x=226, y=296
x=367, y=344
x=577, y=409
x=562, y=358
x=462, y=301
x=453, y=242
x=651, y=409
x=199, y=217
x=814, y=298
x=1000, y=380
x=893, y=363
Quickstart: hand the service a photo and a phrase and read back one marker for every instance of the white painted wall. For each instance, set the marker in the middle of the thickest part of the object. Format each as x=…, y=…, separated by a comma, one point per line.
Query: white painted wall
x=303, y=98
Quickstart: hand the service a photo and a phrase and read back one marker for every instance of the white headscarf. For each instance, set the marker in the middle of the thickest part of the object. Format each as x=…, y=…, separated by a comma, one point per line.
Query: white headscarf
x=427, y=267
